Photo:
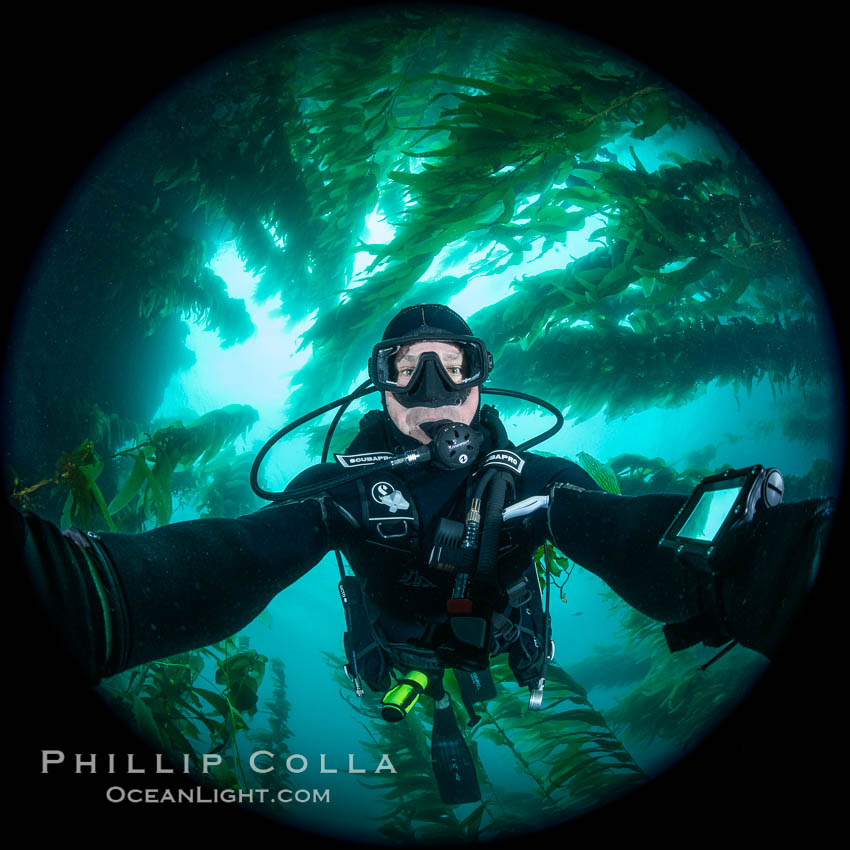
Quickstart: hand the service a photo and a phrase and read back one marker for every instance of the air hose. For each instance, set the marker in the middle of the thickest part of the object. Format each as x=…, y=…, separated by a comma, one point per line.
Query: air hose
x=275, y=438
x=416, y=456
x=491, y=525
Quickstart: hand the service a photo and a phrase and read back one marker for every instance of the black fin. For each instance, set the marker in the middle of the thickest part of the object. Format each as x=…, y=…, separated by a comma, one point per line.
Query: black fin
x=454, y=768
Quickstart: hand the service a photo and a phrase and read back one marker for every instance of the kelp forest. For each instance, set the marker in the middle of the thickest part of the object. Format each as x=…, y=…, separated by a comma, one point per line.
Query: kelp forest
x=620, y=255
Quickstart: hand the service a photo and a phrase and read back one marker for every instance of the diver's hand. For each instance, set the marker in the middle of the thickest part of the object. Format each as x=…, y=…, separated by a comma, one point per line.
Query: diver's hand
x=766, y=568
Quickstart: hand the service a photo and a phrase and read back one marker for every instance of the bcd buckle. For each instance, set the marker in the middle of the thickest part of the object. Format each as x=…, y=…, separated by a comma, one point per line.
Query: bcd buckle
x=535, y=701
x=389, y=534
x=355, y=680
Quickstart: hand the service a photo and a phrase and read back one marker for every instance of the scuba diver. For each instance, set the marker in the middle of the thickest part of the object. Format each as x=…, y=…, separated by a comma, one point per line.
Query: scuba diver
x=438, y=515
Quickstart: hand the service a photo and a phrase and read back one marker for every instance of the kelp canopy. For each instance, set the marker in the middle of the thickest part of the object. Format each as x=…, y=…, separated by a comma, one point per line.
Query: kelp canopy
x=489, y=151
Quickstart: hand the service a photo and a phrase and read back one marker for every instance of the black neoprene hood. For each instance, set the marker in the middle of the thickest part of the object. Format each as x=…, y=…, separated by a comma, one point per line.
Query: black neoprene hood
x=421, y=320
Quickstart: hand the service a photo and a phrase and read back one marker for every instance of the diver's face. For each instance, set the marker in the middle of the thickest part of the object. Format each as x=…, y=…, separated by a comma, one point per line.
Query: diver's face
x=408, y=419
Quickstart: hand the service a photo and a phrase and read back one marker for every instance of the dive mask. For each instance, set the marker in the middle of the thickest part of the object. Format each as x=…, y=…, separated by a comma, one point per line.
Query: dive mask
x=430, y=384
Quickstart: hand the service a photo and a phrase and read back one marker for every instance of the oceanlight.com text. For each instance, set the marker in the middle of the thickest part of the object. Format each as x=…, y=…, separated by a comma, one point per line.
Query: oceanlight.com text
x=117, y=794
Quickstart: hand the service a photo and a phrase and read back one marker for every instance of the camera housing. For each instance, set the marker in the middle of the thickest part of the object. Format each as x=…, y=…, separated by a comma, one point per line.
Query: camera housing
x=717, y=503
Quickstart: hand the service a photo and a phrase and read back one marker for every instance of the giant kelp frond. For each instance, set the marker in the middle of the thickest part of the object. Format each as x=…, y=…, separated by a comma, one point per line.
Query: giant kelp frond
x=108, y=431
x=277, y=708
x=621, y=371
x=565, y=759
x=600, y=472
x=173, y=447
x=639, y=474
x=275, y=735
x=232, y=158
x=77, y=471
x=149, y=471
x=515, y=161
x=304, y=130
x=490, y=153
x=347, y=135
x=223, y=485
x=194, y=703
x=567, y=750
x=469, y=171
x=179, y=283
x=143, y=253
x=676, y=699
x=203, y=437
x=664, y=267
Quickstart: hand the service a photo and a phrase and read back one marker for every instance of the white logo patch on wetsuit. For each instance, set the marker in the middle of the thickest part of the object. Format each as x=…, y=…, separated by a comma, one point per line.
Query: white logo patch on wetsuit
x=362, y=459
x=505, y=458
x=385, y=494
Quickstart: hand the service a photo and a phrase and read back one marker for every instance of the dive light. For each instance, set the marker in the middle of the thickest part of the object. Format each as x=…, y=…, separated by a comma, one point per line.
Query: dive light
x=398, y=701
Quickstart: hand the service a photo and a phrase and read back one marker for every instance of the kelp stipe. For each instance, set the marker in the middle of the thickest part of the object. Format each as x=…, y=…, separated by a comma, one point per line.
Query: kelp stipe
x=276, y=734
x=569, y=758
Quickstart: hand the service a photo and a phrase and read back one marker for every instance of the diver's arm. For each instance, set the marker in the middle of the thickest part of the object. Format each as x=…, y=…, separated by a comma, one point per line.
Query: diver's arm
x=119, y=600
x=616, y=538
x=766, y=566
x=193, y=583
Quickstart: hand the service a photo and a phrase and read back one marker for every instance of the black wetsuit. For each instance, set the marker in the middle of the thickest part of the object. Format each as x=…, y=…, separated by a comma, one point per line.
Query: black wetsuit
x=192, y=583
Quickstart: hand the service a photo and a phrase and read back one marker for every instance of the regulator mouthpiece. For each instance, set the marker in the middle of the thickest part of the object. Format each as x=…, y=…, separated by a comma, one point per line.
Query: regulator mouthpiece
x=453, y=444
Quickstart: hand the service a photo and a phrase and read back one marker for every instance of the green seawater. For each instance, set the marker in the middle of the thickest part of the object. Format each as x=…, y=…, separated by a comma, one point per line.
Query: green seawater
x=246, y=239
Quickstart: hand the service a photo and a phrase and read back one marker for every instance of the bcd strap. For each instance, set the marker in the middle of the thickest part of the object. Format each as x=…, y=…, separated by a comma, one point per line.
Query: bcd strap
x=519, y=593
x=504, y=629
x=505, y=459
x=366, y=661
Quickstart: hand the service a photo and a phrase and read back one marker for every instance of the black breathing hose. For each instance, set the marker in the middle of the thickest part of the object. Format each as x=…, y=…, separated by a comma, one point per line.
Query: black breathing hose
x=491, y=524
x=272, y=441
x=344, y=403
x=407, y=458
x=559, y=417
x=483, y=482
